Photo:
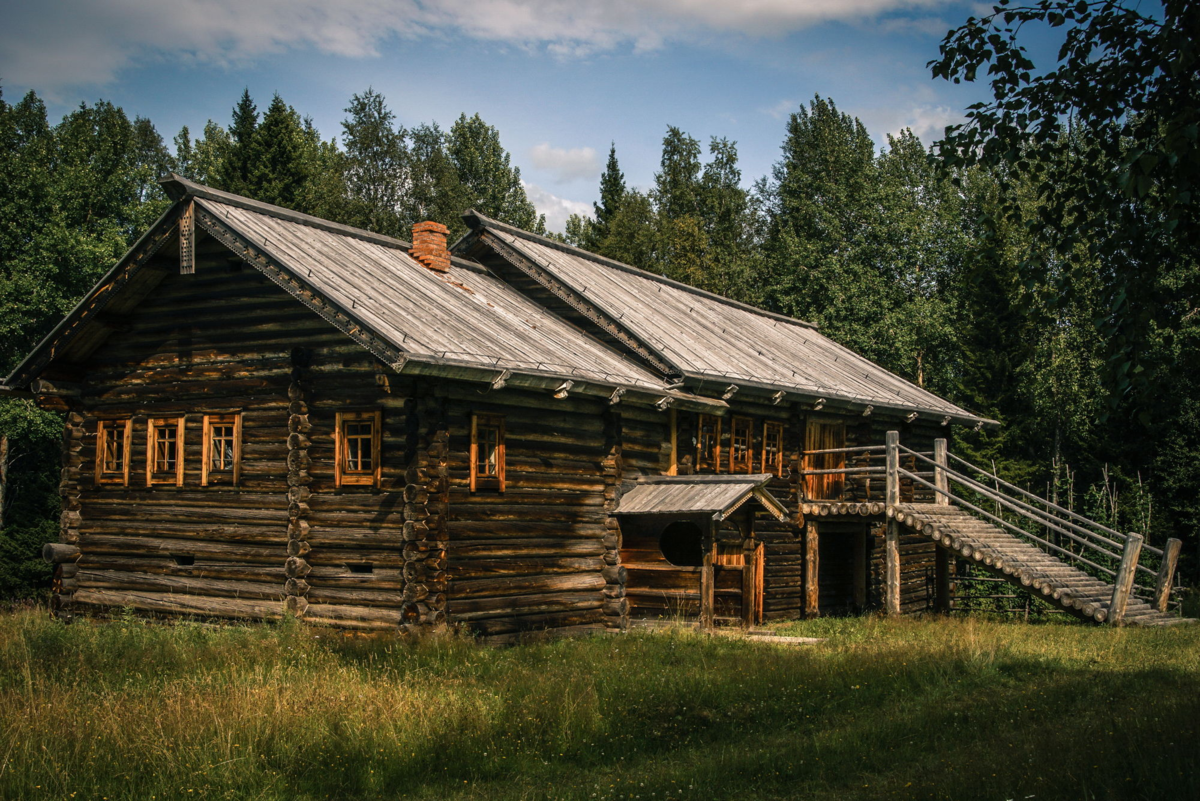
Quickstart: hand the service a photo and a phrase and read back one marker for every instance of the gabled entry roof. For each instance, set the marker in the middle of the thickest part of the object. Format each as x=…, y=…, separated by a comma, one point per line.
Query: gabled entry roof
x=719, y=495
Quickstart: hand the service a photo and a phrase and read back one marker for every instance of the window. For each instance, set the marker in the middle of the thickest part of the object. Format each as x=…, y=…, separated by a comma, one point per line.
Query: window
x=164, y=451
x=822, y=436
x=359, y=440
x=221, y=460
x=708, y=443
x=772, y=449
x=741, y=447
x=114, y=440
x=487, y=452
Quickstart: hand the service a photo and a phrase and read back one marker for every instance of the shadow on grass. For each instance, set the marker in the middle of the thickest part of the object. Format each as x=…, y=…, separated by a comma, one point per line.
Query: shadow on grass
x=925, y=709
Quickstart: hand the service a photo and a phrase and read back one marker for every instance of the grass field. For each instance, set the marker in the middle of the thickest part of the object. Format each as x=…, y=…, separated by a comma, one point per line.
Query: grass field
x=937, y=708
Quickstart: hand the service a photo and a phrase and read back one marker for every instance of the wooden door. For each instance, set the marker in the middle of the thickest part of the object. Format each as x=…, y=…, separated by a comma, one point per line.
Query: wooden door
x=823, y=435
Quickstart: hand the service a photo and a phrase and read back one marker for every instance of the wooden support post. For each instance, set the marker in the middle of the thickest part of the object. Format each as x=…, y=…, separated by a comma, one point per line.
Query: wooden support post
x=941, y=575
x=940, y=479
x=860, y=570
x=891, y=568
x=892, y=497
x=1166, y=574
x=706, y=590
x=749, y=596
x=1123, y=585
x=812, y=567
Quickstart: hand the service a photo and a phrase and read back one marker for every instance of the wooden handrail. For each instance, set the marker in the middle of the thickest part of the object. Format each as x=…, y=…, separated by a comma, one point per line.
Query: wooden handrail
x=1016, y=530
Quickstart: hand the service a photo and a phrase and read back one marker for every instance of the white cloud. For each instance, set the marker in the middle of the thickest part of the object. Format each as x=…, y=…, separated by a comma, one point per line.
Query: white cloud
x=76, y=42
x=566, y=165
x=557, y=209
x=782, y=109
x=926, y=120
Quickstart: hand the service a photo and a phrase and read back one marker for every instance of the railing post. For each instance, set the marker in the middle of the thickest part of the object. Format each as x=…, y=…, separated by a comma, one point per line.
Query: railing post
x=1166, y=574
x=1123, y=585
x=893, y=468
x=940, y=479
x=891, y=543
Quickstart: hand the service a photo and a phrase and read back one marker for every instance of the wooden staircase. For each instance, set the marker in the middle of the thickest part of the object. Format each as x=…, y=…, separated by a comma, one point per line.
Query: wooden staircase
x=1083, y=567
x=1023, y=565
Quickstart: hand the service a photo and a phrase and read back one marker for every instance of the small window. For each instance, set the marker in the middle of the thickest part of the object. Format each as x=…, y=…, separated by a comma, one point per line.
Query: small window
x=772, y=449
x=114, y=440
x=708, y=443
x=359, y=443
x=487, y=452
x=741, y=447
x=682, y=544
x=221, y=461
x=164, y=451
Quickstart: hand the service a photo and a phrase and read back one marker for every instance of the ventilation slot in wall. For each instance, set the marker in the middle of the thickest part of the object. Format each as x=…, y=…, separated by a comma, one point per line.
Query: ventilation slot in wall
x=183, y=561
x=362, y=568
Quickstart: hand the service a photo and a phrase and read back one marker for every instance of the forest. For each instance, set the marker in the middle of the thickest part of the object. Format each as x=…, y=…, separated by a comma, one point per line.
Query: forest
x=1037, y=266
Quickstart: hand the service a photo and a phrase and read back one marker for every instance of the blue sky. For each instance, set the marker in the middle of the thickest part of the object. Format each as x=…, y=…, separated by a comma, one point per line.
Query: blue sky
x=559, y=79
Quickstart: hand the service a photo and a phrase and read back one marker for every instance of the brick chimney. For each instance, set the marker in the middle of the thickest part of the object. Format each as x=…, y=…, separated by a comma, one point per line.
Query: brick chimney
x=429, y=246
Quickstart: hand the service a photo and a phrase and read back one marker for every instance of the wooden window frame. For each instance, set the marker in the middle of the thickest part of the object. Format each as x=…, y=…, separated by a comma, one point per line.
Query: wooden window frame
x=829, y=486
x=343, y=475
x=206, y=470
x=116, y=477
x=777, y=432
x=484, y=482
x=153, y=477
x=746, y=463
x=702, y=463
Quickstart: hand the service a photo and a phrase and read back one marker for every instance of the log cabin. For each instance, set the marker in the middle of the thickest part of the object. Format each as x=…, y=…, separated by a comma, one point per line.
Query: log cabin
x=271, y=414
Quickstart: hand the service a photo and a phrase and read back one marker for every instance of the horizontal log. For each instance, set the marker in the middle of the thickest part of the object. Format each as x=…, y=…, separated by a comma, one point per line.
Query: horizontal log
x=150, y=582
x=353, y=596
x=200, y=569
x=534, y=622
x=159, y=546
x=527, y=548
x=338, y=614
x=199, y=606
x=57, y=552
x=463, y=609
x=525, y=585
x=460, y=568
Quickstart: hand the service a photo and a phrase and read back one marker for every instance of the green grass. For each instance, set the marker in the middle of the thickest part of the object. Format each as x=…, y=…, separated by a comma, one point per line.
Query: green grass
x=954, y=709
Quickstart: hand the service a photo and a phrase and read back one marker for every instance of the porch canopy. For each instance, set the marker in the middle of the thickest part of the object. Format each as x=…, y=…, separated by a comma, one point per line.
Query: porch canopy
x=719, y=496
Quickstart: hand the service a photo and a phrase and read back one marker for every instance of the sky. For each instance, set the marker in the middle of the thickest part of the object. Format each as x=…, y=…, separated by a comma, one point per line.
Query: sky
x=560, y=79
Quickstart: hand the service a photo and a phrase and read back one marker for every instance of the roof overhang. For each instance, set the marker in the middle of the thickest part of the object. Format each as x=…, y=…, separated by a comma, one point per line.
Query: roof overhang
x=718, y=495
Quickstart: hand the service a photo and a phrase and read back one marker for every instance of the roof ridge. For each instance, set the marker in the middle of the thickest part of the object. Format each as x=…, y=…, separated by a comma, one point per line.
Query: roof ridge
x=487, y=222
x=176, y=187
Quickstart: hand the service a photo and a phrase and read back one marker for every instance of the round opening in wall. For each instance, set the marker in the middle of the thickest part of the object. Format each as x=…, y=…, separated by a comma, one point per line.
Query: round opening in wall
x=681, y=544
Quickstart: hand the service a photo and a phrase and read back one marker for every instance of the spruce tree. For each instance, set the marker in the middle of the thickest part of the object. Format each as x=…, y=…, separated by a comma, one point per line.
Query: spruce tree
x=279, y=172
x=612, y=194
x=239, y=162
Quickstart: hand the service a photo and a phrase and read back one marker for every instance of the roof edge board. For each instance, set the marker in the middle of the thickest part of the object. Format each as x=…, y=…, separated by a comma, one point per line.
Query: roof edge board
x=838, y=399
x=473, y=218
x=132, y=259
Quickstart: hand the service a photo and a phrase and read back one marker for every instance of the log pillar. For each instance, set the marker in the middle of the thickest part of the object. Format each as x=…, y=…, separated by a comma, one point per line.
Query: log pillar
x=616, y=605
x=426, y=534
x=298, y=478
x=940, y=479
x=1123, y=584
x=891, y=567
x=812, y=568
x=707, y=576
x=1166, y=574
x=64, y=583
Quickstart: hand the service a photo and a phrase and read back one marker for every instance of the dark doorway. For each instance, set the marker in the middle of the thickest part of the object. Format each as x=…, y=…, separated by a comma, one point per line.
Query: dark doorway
x=681, y=544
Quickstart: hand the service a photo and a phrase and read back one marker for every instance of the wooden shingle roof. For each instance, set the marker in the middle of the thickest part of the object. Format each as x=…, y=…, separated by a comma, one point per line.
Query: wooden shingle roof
x=717, y=342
